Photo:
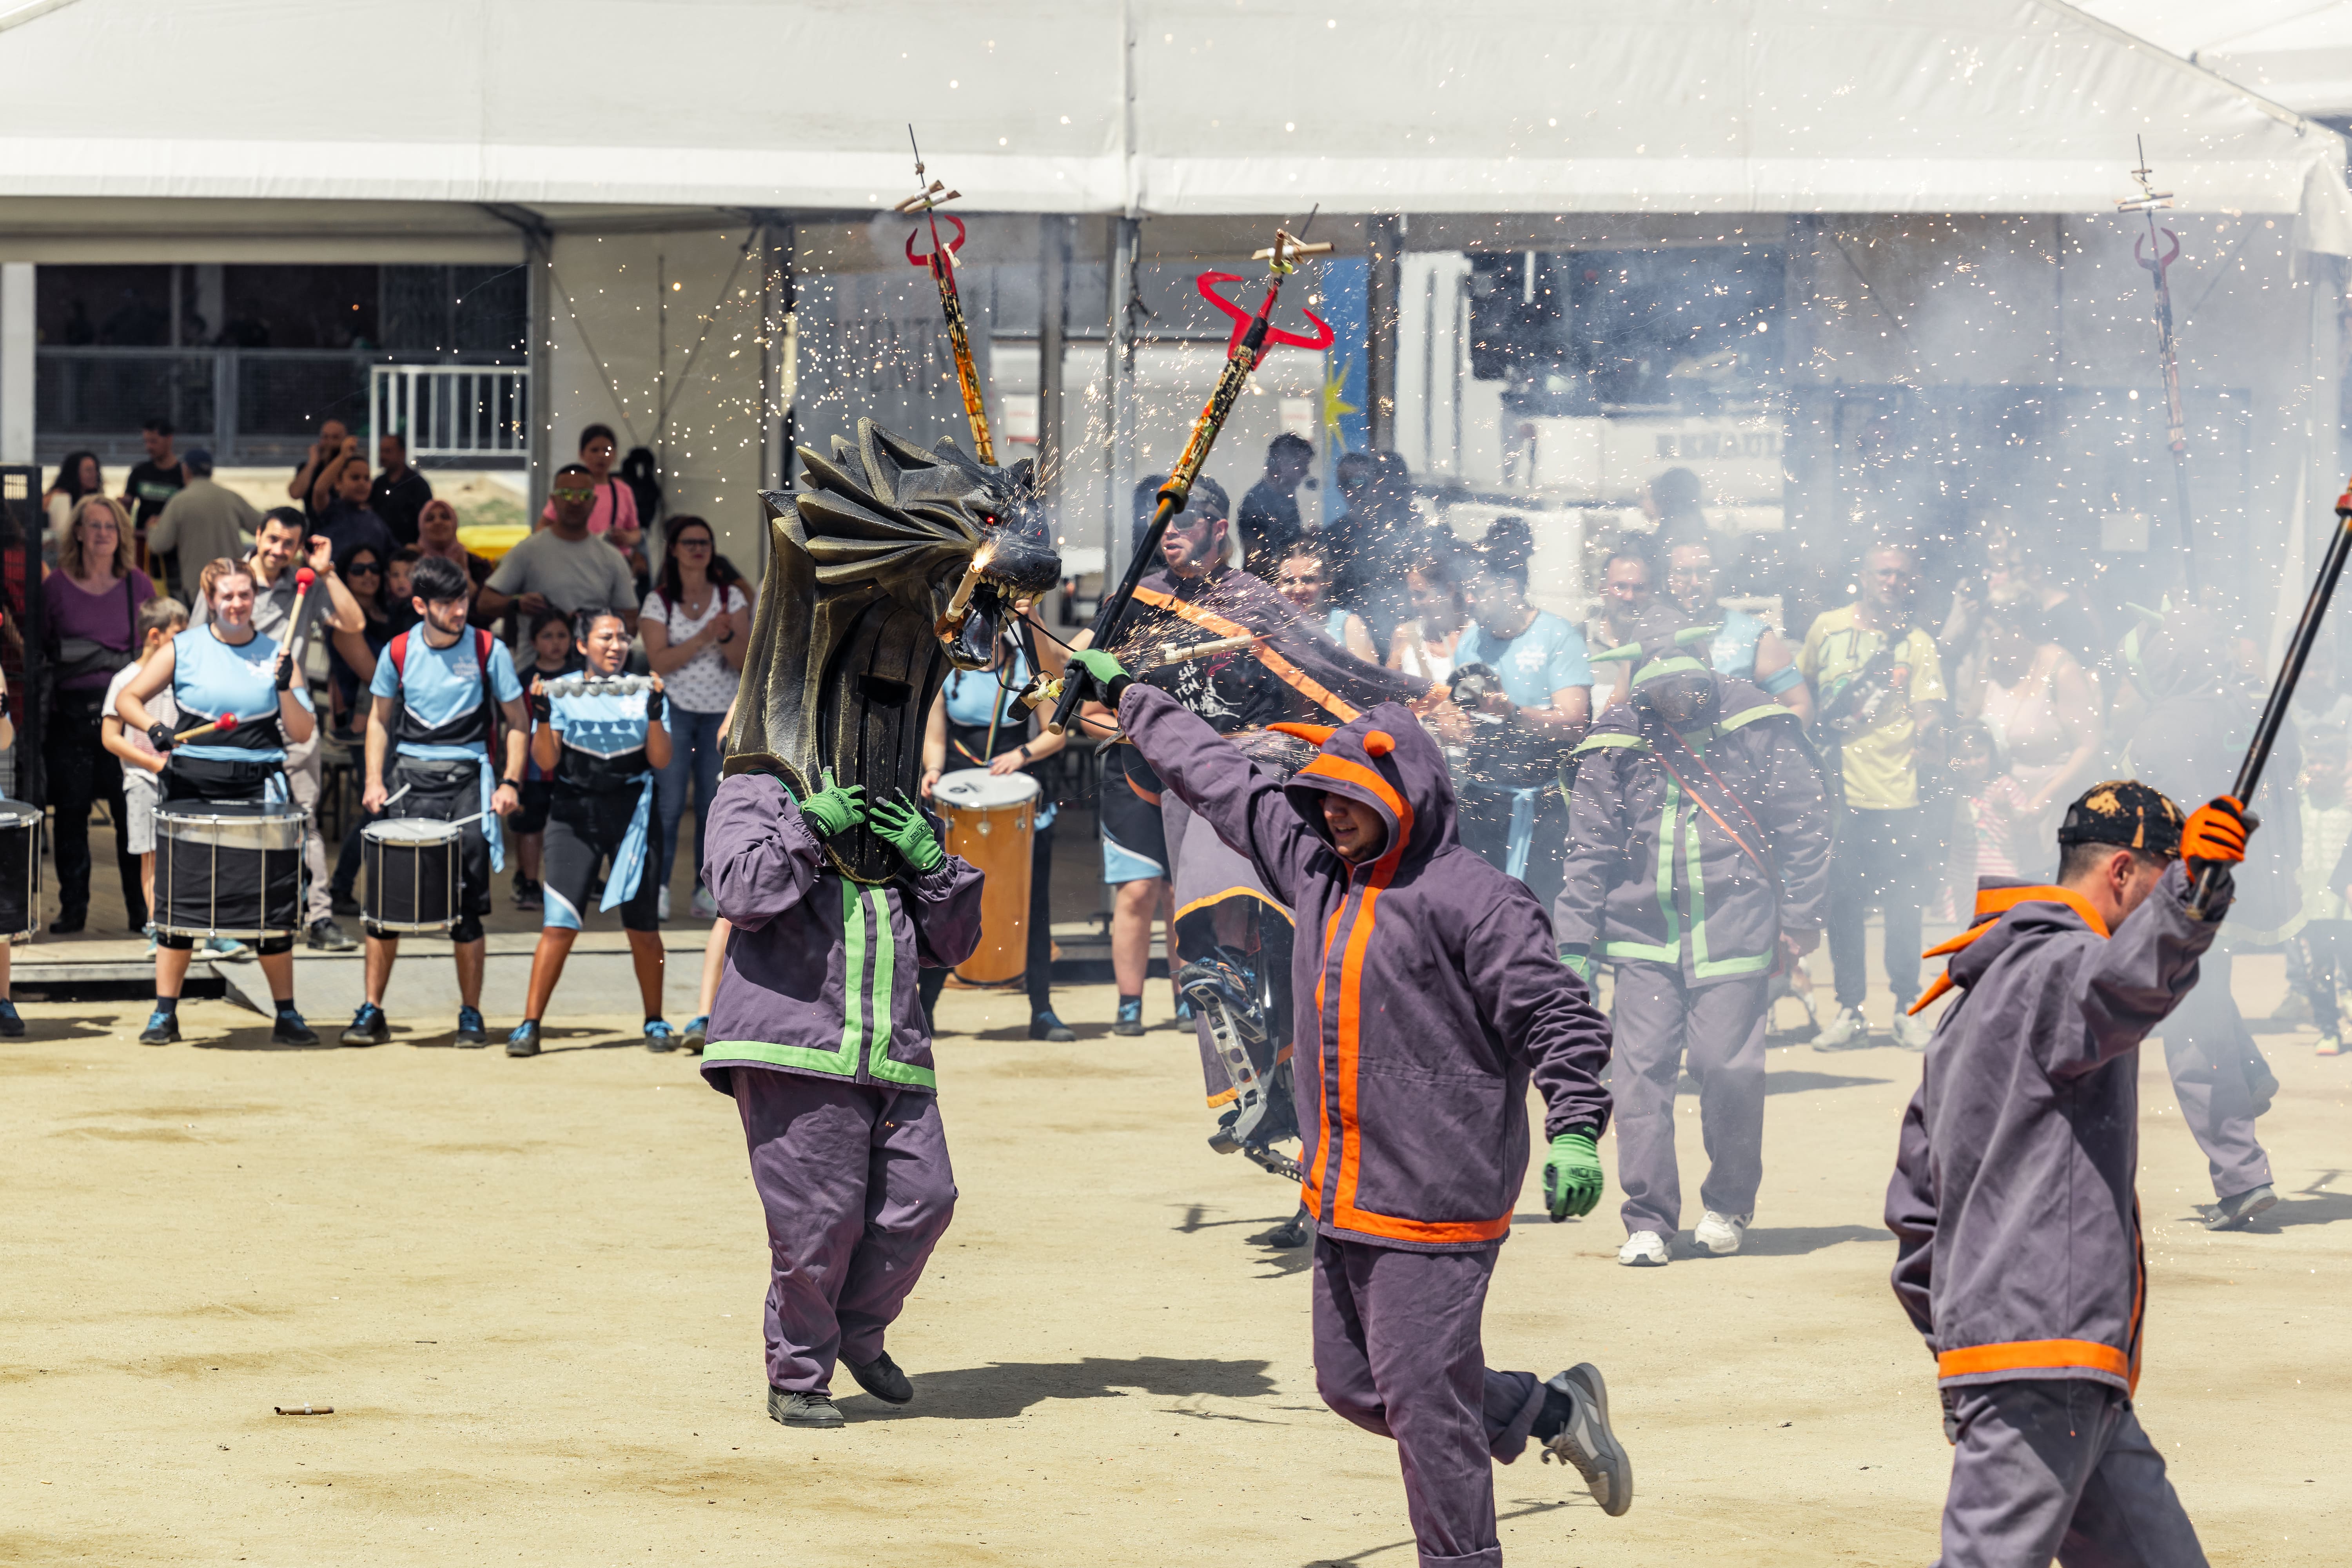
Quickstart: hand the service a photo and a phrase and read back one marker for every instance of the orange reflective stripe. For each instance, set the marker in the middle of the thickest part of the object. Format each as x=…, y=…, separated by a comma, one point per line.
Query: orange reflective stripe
x=1322, y=1103
x=1219, y=897
x=2033, y=1356
x=1292, y=675
x=1993, y=902
x=1352, y=1218
x=1351, y=981
x=1141, y=792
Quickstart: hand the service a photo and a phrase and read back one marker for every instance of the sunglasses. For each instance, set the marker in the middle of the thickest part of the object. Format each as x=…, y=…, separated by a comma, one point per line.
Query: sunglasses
x=572, y=495
x=692, y=544
x=363, y=568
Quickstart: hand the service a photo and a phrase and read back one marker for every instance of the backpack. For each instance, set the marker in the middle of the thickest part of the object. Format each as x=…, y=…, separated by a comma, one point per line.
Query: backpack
x=396, y=650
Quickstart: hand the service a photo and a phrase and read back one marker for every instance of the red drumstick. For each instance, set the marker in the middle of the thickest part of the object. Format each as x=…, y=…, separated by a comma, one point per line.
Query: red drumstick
x=226, y=724
x=303, y=578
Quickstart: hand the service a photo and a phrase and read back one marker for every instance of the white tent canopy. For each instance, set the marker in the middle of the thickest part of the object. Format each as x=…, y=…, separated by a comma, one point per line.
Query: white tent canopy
x=1152, y=107
x=2296, y=52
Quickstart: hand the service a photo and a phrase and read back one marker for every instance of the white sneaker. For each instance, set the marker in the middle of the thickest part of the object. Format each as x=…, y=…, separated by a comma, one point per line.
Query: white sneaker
x=1643, y=1249
x=662, y=909
x=1846, y=1032
x=1720, y=1232
x=706, y=908
x=1913, y=1031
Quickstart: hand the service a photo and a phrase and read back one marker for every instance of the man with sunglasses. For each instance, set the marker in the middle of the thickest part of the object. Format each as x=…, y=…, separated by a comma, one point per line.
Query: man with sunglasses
x=563, y=566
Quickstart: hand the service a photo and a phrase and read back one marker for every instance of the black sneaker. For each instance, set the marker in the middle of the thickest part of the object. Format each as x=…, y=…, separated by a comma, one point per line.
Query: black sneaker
x=369, y=1027
x=163, y=1029
x=11, y=1024
x=802, y=1409
x=343, y=903
x=328, y=936
x=1296, y=1231
x=1130, y=1020
x=660, y=1036
x=698, y=1034
x=526, y=895
x=1585, y=1441
x=524, y=1040
x=291, y=1030
x=1044, y=1026
x=470, y=1032
x=881, y=1378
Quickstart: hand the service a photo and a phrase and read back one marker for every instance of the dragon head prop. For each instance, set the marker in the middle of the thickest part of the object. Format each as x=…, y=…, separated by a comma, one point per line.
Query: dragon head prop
x=890, y=564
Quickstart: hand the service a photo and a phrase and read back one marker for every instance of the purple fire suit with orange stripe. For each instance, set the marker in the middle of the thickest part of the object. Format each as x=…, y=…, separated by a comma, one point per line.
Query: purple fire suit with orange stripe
x=1427, y=997
x=2018, y=1231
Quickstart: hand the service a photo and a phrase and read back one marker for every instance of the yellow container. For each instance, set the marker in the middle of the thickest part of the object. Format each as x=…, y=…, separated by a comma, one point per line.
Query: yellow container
x=493, y=539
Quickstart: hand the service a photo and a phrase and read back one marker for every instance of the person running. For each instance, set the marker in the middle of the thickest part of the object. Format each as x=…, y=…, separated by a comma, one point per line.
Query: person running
x=2018, y=1249
x=224, y=666
x=437, y=694
x=601, y=734
x=1427, y=989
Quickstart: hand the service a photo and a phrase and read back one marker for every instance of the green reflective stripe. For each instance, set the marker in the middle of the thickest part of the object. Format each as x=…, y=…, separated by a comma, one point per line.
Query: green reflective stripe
x=886, y=969
x=1702, y=966
x=1670, y=951
x=853, y=973
x=833, y=1064
x=1672, y=665
x=1749, y=716
x=1597, y=742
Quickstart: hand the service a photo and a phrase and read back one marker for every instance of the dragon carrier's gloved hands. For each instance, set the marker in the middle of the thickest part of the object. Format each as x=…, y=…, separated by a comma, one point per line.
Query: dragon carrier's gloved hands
x=1572, y=1179
x=903, y=827
x=1110, y=677
x=835, y=809
x=2215, y=832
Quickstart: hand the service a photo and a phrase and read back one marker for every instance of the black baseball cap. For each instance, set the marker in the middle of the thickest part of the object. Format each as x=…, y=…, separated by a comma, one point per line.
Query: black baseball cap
x=2127, y=814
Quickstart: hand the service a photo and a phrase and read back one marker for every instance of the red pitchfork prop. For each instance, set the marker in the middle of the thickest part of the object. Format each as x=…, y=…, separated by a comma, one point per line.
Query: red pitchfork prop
x=1253, y=337
x=942, y=263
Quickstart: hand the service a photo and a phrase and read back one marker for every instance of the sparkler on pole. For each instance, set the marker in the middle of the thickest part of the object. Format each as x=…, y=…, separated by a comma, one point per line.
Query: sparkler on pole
x=942, y=263
x=1253, y=334
x=2158, y=261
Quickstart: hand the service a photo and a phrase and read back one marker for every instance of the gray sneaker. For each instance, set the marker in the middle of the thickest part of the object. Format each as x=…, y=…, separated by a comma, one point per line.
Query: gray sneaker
x=1587, y=1443
x=1849, y=1031
x=2232, y=1213
x=802, y=1409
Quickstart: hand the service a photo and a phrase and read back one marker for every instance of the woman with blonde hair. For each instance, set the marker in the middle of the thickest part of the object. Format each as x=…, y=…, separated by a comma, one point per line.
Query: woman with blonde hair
x=92, y=603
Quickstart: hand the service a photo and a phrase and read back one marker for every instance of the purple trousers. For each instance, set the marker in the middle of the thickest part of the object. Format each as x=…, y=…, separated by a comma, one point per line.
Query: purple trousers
x=2058, y=1468
x=1397, y=1353
x=2214, y=1065
x=855, y=1183
x=1659, y=1024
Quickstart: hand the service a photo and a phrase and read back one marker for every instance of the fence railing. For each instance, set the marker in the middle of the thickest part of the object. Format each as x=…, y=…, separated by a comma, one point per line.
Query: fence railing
x=454, y=411
x=264, y=405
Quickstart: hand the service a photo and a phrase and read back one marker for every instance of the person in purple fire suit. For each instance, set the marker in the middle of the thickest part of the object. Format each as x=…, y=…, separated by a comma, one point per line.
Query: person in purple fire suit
x=817, y=1033
x=1426, y=1002
x=2018, y=1248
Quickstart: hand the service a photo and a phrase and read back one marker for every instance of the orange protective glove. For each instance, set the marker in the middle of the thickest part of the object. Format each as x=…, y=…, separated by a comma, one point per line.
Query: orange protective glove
x=2216, y=831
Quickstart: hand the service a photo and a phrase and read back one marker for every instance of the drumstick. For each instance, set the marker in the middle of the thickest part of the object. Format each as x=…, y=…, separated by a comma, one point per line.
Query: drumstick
x=396, y=795
x=226, y=724
x=303, y=578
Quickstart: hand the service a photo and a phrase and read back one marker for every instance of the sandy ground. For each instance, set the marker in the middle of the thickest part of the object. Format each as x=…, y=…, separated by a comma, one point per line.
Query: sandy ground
x=530, y=1291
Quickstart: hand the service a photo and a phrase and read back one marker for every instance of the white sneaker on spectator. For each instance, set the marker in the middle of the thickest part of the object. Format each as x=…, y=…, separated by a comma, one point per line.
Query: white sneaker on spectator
x=1912, y=1032
x=1720, y=1232
x=706, y=908
x=1643, y=1249
x=662, y=911
x=1846, y=1032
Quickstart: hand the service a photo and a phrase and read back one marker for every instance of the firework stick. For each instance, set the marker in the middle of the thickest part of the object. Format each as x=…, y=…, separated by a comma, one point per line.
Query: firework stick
x=1172, y=653
x=2274, y=706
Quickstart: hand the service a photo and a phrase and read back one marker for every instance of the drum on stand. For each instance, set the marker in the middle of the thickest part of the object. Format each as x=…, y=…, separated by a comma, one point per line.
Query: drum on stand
x=413, y=877
x=20, y=871
x=228, y=869
x=991, y=819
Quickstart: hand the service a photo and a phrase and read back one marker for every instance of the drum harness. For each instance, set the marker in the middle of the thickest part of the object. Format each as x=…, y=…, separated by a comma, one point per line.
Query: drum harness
x=484, y=719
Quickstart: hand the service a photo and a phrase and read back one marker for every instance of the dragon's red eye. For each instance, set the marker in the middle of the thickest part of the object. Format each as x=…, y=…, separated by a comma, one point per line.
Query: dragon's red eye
x=989, y=519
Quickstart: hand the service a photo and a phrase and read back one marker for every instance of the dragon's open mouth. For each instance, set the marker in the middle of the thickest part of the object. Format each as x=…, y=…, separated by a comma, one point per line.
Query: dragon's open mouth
x=1008, y=571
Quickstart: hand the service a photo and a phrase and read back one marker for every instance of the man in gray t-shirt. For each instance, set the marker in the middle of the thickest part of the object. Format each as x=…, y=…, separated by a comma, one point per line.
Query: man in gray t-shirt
x=562, y=566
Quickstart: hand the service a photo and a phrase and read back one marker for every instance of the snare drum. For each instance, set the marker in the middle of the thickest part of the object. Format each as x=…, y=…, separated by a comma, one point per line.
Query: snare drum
x=20, y=871
x=228, y=869
x=991, y=819
x=412, y=874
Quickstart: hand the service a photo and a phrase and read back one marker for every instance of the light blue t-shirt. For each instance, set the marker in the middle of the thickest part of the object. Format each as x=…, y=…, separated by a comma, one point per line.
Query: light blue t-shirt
x=969, y=693
x=1547, y=657
x=441, y=684
x=210, y=677
x=602, y=725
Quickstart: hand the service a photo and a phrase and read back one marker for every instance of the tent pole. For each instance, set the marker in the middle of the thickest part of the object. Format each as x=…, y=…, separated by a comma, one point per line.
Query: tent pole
x=1385, y=235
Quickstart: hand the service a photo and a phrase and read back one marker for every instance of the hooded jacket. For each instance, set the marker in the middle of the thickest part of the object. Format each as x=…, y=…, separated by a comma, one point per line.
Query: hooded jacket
x=1657, y=877
x=1427, y=992
x=2016, y=1226
x=820, y=976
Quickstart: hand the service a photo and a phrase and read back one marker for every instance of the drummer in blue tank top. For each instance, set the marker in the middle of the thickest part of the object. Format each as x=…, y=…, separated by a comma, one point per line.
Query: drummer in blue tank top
x=438, y=693
x=224, y=667
x=601, y=734
x=1304, y=579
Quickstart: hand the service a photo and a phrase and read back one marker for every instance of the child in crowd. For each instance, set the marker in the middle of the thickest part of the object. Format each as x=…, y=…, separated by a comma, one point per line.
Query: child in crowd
x=160, y=620
x=1987, y=806
x=2321, y=942
x=553, y=655
x=400, y=610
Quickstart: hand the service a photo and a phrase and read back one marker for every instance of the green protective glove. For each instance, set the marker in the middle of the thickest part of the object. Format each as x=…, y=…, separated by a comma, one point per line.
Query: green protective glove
x=1572, y=1179
x=901, y=825
x=835, y=809
x=1110, y=677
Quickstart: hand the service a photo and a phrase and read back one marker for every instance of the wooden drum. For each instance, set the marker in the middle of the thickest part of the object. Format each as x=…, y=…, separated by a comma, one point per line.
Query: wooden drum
x=991, y=819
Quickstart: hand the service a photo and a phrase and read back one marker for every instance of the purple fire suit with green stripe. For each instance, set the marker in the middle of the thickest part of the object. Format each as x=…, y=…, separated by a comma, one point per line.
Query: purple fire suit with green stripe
x=817, y=1033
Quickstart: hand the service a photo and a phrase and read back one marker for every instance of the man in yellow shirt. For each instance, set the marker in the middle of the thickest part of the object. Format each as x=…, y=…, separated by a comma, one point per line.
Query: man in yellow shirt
x=1878, y=688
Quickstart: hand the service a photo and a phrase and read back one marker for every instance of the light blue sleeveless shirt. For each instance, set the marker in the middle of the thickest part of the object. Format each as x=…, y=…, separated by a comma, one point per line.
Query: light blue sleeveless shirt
x=209, y=678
